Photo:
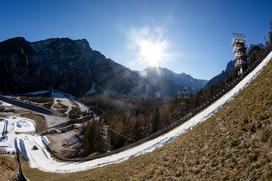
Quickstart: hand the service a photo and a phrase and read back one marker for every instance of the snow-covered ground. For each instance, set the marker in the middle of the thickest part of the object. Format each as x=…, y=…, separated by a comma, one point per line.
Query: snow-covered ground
x=11, y=128
x=36, y=93
x=5, y=104
x=67, y=100
x=82, y=107
x=54, y=121
x=23, y=125
x=42, y=160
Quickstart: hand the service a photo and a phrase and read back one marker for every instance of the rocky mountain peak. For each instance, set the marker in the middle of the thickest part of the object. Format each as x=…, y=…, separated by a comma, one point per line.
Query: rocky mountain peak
x=15, y=46
x=73, y=67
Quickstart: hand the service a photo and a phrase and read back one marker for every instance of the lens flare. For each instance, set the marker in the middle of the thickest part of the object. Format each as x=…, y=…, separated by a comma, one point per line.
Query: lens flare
x=152, y=53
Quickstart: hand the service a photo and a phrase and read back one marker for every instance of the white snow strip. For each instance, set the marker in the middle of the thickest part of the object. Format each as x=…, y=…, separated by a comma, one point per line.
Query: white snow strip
x=37, y=92
x=42, y=160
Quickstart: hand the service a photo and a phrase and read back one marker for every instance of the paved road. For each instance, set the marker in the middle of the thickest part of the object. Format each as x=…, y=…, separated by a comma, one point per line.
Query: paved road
x=29, y=106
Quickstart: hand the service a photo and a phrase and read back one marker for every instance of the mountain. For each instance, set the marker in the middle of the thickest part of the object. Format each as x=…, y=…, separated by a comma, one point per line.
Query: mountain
x=157, y=81
x=223, y=75
x=72, y=66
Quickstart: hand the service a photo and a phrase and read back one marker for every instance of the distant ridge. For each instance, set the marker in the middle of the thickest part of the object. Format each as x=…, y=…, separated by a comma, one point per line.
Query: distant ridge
x=72, y=66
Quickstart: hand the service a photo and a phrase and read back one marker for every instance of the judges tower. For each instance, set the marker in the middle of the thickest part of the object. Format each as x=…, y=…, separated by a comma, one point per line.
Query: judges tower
x=239, y=50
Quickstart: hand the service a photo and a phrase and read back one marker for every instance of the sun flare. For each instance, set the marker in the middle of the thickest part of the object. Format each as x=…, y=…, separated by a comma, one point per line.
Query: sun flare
x=150, y=46
x=152, y=52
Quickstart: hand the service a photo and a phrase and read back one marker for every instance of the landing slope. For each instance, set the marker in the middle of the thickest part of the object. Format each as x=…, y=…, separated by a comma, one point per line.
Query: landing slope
x=234, y=143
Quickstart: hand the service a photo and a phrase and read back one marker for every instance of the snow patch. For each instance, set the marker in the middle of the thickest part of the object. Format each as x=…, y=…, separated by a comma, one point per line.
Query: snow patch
x=92, y=90
x=5, y=104
x=67, y=100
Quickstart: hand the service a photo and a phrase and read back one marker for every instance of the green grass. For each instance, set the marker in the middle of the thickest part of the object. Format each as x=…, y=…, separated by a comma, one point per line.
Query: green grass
x=234, y=144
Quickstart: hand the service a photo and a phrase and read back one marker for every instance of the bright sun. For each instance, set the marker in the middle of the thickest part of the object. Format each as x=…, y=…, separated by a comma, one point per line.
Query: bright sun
x=151, y=52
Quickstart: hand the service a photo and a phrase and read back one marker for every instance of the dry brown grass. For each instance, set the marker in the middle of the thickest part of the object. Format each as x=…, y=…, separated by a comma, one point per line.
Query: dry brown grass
x=234, y=144
x=7, y=168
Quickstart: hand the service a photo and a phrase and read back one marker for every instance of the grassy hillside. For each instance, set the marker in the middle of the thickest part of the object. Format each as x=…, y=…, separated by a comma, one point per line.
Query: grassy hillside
x=233, y=144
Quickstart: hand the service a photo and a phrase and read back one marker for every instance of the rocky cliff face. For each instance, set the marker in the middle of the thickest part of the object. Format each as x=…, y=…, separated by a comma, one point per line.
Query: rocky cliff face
x=72, y=66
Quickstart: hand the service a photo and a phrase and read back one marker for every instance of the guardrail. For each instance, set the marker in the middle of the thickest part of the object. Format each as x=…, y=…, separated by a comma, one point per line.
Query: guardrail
x=185, y=118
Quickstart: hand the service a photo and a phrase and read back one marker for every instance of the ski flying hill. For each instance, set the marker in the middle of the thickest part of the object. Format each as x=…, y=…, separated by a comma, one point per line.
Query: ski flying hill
x=233, y=143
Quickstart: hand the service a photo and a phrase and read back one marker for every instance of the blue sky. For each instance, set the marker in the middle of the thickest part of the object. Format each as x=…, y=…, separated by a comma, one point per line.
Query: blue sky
x=195, y=35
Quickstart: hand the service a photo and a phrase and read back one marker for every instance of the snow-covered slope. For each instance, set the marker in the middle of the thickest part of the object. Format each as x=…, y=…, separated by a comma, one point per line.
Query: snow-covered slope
x=42, y=160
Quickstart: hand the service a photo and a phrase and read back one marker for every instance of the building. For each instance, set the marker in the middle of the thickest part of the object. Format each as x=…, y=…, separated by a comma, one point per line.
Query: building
x=239, y=50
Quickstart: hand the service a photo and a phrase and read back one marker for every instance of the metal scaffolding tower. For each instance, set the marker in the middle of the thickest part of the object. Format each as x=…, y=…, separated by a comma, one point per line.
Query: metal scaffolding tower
x=239, y=50
x=105, y=137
